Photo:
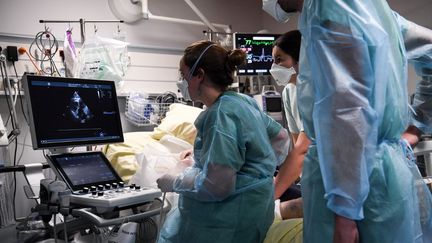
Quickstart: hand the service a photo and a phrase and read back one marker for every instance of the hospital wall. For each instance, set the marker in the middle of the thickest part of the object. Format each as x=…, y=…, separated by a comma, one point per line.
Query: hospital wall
x=155, y=47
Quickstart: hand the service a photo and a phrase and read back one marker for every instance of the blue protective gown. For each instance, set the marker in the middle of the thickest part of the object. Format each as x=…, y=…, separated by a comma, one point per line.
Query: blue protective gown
x=227, y=196
x=352, y=95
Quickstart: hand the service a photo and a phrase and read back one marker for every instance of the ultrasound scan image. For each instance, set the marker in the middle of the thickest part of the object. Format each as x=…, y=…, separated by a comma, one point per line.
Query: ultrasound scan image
x=77, y=110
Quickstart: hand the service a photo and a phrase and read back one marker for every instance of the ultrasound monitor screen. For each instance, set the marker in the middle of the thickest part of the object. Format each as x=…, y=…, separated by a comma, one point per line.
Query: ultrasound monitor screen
x=258, y=48
x=72, y=112
x=84, y=169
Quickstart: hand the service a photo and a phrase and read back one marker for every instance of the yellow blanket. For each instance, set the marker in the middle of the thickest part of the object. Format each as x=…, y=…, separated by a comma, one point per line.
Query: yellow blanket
x=285, y=231
x=122, y=155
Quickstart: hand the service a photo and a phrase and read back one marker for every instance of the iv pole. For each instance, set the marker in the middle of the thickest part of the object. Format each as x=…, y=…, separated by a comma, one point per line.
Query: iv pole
x=82, y=23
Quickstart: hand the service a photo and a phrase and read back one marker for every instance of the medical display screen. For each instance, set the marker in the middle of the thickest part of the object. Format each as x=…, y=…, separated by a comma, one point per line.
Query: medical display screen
x=72, y=112
x=258, y=48
x=273, y=104
x=84, y=169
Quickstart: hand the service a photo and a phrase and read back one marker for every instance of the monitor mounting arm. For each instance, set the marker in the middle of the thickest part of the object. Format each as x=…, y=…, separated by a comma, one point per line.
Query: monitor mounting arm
x=131, y=11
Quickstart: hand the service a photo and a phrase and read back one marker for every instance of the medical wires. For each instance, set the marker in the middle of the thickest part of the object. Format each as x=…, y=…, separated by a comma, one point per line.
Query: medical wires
x=14, y=121
x=23, y=112
x=21, y=51
x=47, y=45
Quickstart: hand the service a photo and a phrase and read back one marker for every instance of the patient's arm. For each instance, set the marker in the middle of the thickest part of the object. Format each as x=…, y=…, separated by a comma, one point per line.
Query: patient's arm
x=292, y=166
x=292, y=209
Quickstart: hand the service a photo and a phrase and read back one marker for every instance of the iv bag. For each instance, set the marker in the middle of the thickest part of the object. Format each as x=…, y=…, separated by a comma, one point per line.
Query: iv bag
x=103, y=58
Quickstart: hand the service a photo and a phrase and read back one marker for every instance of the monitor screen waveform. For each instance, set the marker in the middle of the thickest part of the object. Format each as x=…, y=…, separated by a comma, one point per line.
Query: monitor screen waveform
x=258, y=48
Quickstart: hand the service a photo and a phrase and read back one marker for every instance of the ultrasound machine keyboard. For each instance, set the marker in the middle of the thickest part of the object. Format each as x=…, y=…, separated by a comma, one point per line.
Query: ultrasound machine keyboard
x=95, y=183
x=109, y=196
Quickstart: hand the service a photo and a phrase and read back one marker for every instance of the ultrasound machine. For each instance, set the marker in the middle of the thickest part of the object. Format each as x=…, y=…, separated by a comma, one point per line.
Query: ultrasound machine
x=70, y=112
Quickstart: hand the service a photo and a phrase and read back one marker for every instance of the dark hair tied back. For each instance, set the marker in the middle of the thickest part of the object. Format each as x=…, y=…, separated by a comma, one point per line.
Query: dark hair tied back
x=217, y=63
x=235, y=58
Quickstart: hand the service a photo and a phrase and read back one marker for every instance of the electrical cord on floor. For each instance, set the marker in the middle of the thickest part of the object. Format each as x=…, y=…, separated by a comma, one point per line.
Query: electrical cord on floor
x=65, y=229
x=54, y=228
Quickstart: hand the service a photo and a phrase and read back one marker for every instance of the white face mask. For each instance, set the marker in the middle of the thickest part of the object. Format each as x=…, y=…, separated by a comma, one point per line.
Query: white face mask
x=183, y=87
x=273, y=8
x=281, y=75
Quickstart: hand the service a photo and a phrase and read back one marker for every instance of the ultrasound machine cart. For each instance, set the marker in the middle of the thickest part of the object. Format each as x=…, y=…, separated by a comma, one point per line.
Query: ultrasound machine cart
x=99, y=200
x=68, y=112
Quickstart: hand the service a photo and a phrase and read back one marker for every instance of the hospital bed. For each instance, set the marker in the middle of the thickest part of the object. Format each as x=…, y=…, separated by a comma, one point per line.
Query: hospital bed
x=144, y=156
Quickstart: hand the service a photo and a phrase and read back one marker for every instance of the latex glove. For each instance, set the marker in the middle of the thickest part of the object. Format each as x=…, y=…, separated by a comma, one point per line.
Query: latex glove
x=166, y=183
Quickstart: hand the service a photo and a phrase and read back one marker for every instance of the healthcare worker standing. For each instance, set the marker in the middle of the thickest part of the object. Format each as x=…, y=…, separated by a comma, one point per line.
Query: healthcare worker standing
x=285, y=53
x=227, y=195
x=357, y=184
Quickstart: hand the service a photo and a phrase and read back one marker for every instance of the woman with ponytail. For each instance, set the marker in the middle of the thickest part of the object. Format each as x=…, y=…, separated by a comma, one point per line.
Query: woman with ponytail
x=227, y=195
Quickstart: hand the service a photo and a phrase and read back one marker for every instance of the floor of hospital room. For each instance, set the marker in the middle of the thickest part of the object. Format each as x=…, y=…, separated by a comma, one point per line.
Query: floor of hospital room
x=9, y=234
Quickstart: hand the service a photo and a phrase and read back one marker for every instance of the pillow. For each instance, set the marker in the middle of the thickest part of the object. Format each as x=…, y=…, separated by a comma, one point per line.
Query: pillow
x=178, y=122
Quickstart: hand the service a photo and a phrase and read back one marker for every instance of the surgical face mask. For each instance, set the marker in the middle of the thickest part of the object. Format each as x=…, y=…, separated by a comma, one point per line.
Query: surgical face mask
x=273, y=8
x=281, y=75
x=183, y=87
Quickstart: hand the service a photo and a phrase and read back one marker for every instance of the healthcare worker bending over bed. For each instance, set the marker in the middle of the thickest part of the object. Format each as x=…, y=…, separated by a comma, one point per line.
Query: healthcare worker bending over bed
x=227, y=195
x=357, y=184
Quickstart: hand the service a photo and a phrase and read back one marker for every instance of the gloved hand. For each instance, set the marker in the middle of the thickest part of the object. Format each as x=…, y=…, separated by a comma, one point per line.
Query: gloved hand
x=166, y=183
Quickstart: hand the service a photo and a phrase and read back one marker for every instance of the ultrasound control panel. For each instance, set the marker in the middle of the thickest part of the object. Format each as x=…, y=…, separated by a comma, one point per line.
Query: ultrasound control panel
x=94, y=182
x=114, y=195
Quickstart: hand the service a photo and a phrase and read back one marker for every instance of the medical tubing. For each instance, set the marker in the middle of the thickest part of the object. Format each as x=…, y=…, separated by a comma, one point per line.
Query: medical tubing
x=20, y=97
x=161, y=211
x=23, y=50
x=48, y=49
x=14, y=117
x=160, y=216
